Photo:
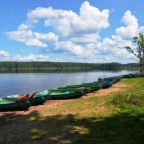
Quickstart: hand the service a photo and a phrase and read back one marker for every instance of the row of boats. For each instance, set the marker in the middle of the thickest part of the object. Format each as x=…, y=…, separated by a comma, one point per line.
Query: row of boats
x=23, y=102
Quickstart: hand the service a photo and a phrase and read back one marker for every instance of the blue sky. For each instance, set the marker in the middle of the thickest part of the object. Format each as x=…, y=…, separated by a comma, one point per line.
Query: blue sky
x=60, y=30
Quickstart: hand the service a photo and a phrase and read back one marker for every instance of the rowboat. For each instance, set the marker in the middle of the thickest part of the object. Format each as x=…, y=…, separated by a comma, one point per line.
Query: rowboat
x=19, y=97
x=62, y=94
x=116, y=78
x=81, y=90
x=40, y=97
x=10, y=105
x=107, y=84
x=87, y=88
x=111, y=79
x=94, y=86
x=34, y=98
x=134, y=75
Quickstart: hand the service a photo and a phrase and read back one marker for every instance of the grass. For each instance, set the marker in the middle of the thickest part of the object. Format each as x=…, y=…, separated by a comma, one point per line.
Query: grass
x=117, y=118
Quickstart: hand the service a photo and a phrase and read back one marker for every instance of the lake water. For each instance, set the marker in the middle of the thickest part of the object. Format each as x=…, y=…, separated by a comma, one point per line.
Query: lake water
x=22, y=83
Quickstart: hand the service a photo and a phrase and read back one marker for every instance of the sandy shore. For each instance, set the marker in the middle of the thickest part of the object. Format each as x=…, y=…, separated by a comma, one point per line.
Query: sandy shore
x=54, y=103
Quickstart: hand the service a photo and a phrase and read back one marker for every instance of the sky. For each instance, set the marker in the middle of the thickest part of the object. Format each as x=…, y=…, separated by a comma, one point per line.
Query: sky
x=93, y=31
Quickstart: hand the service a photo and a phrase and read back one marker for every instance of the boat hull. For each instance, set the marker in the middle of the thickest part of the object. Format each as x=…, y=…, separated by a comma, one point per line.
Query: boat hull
x=11, y=106
x=58, y=95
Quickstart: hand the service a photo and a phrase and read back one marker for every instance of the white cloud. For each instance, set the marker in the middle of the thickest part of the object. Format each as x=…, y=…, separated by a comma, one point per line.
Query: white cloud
x=115, y=45
x=70, y=47
x=30, y=57
x=85, y=38
x=49, y=36
x=25, y=35
x=70, y=29
x=92, y=18
x=66, y=22
x=4, y=54
x=77, y=34
x=131, y=26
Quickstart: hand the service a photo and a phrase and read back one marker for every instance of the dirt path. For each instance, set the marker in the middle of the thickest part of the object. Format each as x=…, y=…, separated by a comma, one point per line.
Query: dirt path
x=115, y=88
x=54, y=103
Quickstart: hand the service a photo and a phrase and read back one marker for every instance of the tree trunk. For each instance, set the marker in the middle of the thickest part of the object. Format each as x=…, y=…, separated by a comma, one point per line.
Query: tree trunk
x=141, y=65
x=143, y=62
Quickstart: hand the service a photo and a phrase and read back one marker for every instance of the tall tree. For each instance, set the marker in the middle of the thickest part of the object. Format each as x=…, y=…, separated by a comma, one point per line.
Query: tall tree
x=138, y=51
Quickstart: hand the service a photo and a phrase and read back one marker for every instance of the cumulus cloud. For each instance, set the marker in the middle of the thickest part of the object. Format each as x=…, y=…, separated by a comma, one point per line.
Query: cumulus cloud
x=30, y=57
x=77, y=34
x=131, y=26
x=124, y=34
x=85, y=38
x=69, y=30
x=67, y=22
x=25, y=35
x=4, y=54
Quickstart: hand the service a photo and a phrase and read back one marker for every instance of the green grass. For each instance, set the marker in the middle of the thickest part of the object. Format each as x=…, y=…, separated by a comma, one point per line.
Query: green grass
x=117, y=118
x=131, y=100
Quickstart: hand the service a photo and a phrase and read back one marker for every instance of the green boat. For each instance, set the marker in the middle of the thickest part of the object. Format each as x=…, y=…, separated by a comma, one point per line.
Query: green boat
x=97, y=86
x=134, y=75
x=35, y=98
x=43, y=93
x=80, y=89
x=87, y=88
x=61, y=94
x=110, y=79
x=94, y=86
x=40, y=97
x=116, y=78
x=10, y=105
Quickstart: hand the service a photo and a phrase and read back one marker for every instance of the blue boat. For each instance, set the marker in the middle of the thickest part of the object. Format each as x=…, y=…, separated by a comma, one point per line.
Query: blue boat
x=107, y=84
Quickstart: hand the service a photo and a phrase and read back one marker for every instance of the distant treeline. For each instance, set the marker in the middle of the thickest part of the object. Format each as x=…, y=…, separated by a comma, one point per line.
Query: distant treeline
x=61, y=66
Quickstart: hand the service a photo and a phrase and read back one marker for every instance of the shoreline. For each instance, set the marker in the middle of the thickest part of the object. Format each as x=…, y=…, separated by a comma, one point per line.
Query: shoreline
x=108, y=116
x=53, y=103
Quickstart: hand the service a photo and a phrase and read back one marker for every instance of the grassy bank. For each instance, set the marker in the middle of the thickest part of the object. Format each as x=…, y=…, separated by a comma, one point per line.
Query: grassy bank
x=116, y=118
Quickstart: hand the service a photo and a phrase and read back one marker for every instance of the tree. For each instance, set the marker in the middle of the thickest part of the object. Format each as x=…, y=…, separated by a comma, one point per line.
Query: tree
x=138, y=51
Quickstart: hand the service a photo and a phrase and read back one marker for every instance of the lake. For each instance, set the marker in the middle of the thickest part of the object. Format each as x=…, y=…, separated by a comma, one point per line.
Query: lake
x=22, y=83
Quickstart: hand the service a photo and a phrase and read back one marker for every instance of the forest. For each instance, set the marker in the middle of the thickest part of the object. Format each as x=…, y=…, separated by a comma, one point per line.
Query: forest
x=61, y=66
